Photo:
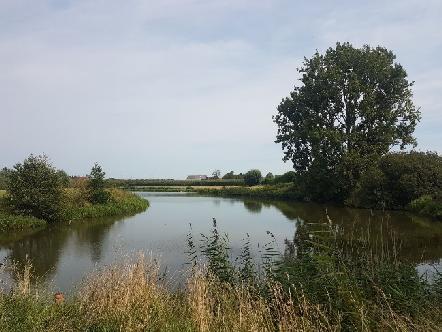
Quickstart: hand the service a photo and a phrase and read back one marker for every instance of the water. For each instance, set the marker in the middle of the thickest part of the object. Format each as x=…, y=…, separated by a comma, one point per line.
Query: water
x=63, y=254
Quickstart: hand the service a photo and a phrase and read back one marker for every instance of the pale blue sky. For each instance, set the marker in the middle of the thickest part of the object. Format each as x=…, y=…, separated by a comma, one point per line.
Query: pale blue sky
x=176, y=87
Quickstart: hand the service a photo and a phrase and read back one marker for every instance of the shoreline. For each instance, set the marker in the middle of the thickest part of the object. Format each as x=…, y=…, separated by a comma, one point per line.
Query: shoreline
x=125, y=204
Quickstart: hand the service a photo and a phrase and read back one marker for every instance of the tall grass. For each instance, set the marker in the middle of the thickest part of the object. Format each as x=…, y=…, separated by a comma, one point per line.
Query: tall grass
x=75, y=206
x=122, y=203
x=10, y=222
x=320, y=283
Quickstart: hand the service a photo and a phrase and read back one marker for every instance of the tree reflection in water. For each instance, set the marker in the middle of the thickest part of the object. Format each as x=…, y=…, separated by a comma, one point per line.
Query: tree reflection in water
x=44, y=248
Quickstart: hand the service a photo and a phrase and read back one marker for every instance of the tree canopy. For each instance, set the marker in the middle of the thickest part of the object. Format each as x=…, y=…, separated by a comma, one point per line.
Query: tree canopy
x=96, y=184
x=252, y=177
x=353, y=105
x=34, y=188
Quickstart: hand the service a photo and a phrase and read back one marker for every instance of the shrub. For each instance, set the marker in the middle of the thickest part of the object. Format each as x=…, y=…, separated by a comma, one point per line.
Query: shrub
x=97, y=194
x=269, y=178
x=427, y=205
x=34, y=189
x=252, y=177
x=287, y=177
x=397, y=179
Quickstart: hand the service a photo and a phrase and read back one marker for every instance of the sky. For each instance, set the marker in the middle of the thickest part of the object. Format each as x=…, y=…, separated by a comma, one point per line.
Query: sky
x=163, y=89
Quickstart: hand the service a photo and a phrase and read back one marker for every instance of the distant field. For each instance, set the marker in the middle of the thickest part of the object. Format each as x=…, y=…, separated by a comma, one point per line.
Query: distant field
x=176, y=188
x=132, y=183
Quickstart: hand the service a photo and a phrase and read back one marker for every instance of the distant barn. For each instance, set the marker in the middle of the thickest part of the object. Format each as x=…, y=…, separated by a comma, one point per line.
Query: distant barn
x=197, y=177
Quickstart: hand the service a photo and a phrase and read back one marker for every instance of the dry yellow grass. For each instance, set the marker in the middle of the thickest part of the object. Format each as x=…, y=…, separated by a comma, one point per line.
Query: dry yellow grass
x=132, y=297
x=128, y=294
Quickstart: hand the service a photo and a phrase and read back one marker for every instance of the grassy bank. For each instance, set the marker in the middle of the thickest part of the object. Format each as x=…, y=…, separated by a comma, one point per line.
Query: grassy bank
x=75, y=207
x=16, y=223
x=322, y=285
x=122, y=203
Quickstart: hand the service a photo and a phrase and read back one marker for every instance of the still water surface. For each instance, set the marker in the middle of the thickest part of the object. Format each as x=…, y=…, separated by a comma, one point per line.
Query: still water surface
x=63, y=254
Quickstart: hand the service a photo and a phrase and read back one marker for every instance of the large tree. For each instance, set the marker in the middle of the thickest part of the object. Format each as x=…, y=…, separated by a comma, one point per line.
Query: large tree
x=353, y=105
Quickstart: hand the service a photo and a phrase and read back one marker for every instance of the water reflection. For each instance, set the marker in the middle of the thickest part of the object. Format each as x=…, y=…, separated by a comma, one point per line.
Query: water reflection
x=417, y=239
x=253, y=206
x=43, y=249
x=65, y=253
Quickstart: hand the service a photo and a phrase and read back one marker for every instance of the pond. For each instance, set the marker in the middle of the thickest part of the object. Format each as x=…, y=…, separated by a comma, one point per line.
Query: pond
x=63, y=254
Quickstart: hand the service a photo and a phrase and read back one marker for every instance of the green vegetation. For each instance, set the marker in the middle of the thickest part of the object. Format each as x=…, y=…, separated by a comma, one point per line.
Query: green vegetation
x=36, y=194
x=97, y=194
x=427, y=205
x=398, y=180
x=34, y=189
x=75, y=207
x=119, y=203
x=11, y=222
x=406, y=181
x=232, y=176
x=252, y=177
x=3, y=178
x=353, y=106
x=288, y=177
x=322, y=282
x=269, y=178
